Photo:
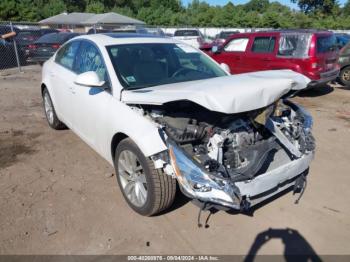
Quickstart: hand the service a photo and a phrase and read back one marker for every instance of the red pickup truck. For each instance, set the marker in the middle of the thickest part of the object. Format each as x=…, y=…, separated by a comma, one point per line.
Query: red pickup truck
x=309, y=52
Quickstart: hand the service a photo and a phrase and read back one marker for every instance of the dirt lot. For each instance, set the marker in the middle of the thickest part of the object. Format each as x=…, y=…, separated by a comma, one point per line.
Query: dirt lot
x=57, y=195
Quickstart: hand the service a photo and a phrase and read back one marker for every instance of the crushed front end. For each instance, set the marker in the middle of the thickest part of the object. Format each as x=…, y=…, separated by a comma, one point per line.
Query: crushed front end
x=234, y=160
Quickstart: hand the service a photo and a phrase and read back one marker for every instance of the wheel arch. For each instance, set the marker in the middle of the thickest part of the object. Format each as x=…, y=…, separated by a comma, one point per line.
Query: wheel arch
x=345, y=66
x=42, y=87
x=116, y=139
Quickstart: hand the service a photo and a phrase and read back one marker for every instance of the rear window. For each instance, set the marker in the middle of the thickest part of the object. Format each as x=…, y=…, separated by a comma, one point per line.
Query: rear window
x=264, y=44
x=224, y=35
x=24, y=34
x=294, y=45
x=325, y=44
x=186, y=33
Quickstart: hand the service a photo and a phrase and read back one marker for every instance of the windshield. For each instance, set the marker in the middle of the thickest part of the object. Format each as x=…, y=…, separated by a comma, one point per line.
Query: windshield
x=144, y=65
x=326, y=43
x=294, y=45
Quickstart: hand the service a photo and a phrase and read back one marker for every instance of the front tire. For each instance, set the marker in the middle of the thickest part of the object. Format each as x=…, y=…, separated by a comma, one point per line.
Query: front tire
x=147, y=190
x=50, y=112
x=344, y=76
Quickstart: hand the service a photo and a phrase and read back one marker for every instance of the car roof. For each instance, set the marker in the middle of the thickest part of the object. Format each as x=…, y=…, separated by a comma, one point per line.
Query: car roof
x=108, y=39
x=282, y=31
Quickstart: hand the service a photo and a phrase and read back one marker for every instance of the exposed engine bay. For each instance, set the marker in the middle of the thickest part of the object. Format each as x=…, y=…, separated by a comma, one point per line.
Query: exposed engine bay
x=233, y=160
x=237, y=146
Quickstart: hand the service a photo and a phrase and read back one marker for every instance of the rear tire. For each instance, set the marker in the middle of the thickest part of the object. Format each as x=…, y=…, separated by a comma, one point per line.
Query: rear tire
x=50, y=112
x=344, y=76
x=137, y=178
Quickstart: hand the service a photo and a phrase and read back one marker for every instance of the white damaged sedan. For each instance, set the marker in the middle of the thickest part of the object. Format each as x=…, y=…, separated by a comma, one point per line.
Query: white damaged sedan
x=163, y=112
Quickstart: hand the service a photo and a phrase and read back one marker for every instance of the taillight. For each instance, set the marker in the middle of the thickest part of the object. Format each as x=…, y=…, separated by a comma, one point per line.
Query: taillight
x=56, y=46
x=32, y=46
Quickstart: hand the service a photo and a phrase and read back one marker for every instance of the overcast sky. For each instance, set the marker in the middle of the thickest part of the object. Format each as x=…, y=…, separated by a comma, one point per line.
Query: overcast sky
x=236, y=2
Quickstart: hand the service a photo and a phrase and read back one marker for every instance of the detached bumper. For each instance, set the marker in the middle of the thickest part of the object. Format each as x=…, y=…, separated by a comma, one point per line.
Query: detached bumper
x=325, y=78
x=270, y=183
x=199, y=184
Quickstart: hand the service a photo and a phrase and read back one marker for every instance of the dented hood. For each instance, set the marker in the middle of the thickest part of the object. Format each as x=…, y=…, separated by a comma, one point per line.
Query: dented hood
x=228, y=94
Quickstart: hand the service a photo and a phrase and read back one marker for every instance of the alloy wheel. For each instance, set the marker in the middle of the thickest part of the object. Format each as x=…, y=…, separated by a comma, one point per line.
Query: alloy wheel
x=48, y=108
x=132, y=178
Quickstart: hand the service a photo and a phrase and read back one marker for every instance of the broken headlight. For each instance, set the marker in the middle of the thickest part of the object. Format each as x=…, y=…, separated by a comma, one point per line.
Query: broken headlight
x=199, y=184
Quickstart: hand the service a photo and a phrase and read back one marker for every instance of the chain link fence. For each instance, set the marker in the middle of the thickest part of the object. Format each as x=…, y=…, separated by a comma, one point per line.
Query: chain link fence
x=15, y=40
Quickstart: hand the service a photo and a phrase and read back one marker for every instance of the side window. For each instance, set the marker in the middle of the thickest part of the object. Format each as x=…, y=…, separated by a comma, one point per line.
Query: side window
x=237, y=45
x=264, y=44
x=89, y=59
x=66, y=54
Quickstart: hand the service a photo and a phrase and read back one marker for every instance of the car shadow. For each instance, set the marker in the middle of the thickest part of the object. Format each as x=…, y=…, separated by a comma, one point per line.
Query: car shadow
x=317, y=91
x=296, y=247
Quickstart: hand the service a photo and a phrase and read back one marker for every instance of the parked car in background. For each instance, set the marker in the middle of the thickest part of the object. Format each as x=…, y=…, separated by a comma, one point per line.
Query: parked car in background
x=218, y=40
x=43, y=48
x=164, y=113
x=344, y=63
x=309, y=52
x=8, y=56
x=27, y=37
x=155, y=31
x=342, y=39
x=193, y=37
x=223, y=36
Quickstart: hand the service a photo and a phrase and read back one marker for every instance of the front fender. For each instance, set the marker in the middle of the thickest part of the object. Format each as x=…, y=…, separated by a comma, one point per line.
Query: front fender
x=143, y=131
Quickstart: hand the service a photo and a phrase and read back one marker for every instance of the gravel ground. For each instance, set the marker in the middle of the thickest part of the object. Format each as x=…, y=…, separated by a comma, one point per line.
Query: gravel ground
x=57, y=196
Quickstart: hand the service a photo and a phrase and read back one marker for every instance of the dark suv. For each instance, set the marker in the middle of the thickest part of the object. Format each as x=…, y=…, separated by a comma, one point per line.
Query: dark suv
x=344, y=63
x=309, y=52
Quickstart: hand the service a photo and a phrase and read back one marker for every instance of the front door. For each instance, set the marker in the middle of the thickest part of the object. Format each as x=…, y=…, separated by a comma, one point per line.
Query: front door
x=91, y=103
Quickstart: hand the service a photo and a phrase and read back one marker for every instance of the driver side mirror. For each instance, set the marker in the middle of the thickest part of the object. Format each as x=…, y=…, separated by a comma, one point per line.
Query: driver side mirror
x=89, y=79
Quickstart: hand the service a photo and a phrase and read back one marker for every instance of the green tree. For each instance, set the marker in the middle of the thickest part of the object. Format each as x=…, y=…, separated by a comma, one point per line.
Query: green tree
x=8, y=10
x=53, y=7
x=75, y=5
x=95, y=7
x=323, y=6
x=259, y=6
x=127, y=11
x=346, y=8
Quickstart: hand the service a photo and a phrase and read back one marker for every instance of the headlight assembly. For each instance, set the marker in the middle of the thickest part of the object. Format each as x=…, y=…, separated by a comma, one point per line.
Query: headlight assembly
x=197, y=183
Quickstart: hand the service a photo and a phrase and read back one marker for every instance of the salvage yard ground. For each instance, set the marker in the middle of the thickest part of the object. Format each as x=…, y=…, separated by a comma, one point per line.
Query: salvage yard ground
x=57, y=196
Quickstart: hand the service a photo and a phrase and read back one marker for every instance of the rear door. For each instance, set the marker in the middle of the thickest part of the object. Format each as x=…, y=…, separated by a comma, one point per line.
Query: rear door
x=233, y=54
x=262, y=53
